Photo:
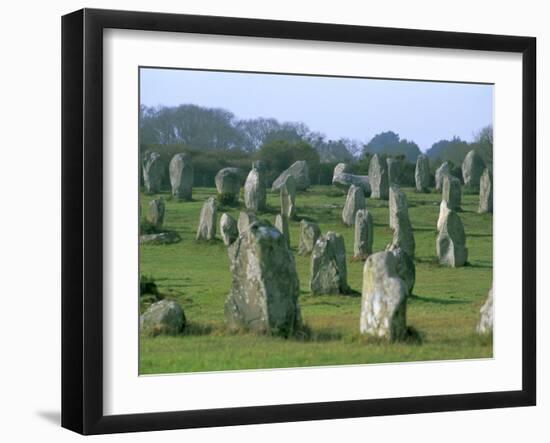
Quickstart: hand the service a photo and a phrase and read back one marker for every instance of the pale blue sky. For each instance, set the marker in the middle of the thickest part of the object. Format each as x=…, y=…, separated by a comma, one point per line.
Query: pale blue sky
x=424, y=112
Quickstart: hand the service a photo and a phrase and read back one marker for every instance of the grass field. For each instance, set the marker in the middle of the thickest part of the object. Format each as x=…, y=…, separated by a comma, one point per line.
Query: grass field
x=444, y=308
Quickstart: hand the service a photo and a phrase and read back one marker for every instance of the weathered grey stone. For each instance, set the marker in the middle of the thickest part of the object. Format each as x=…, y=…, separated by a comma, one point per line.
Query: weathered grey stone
x=443, y=212
x=378, y=178
x=422, y=174
x=452, y=192
x=181, y=176
x=155, y=212
x=265, y=288
x=309, y=233
x=228, y=229
x=254, y=191
x=245, y=220
x=384, y=298
x=328, y=265
x=394, y=170
x=281, y=223
x=208, y=219
x=153, y=172
x=162, y=238
x=444, y=169
x=342, y=179
x=486, y=192
x=228, y=181
x=364, y=229
x=163, y=317
x=354, y=202
x=300, y=171
x=406, y=269
x=288, y=197
x=485, y=325
x=403, y=235
x=451, y=241
x=472, y=168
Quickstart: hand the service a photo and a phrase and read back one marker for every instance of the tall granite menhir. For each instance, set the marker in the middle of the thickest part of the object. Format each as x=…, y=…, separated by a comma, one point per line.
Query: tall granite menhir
x=440, y=172
x=486, y=193
x=254, y=191
x=451, y=241
x=181, y=176
x=153, y=172
x=328, y=265
x=207, y=222
x=355, y=201
x=288, y=197
x=451, y=192
x=403, y=235
x=364, y=229
x=472, y=168
x=422, y=174
x=378, y=178
x=265, y=289
x=309, y=233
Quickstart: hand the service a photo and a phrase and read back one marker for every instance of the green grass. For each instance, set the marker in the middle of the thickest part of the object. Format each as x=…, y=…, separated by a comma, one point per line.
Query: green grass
x=444, y=308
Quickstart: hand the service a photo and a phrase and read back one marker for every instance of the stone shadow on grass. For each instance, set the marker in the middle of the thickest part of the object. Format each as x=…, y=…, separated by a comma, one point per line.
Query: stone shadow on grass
x=438, y=301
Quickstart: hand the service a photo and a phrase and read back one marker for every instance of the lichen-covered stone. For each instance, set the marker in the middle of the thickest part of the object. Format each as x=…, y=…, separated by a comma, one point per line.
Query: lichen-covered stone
x=486, y=193
x=309, y=233
x=444, y=169
x=355, y=201
x=342, y=179
x=378, y=178
x=394, y=170
x=281, y=223
x=155, y=212
x=485, y=325
x=153, y=172
x=265, y=288
x=328, y=265
x=163, y=317
x=207, y=221
x=443, y=212
x=452, y=192
x=181, y=176
x=384, y=298
x=406, y=269
x=228, y=229
x=299, y=171
x=364, y=230
x=422, y=173
x=403, y=235
x=245, y=221
x=288, y=197
x=451, y=241
x=472, y=168
x=254, y=191
x=228, y=181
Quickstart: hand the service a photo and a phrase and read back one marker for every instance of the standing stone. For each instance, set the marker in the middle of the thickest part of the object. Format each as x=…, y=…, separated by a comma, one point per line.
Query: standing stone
x=245, y=221
x=451, y=241
x=300, y=171
x=207, y=222
x=261, y=167
x=281, y=223
x=394, y=170
x=440, y=172
x=403, y=235
x=422, y=174
x=378, y=178
x=228, y=182
x=384, y=299
x=452, y=192
x=485, y=325
x=265, y=289
x=163, y=317
x=406, y=268
x=181, y=176
x=288, y=197
x=309, y=233
x=472, y=168
x=155, y=212
x=254, y=191
x=228, y=229
x=364, y=229
x=328, y=265
x=354, y=202
x=342, y=179
x=443, y=212
x=486, y=192
x=153, y=172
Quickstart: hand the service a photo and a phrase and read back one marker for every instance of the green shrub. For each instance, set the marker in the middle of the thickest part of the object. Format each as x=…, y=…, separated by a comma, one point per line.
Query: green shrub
x=147, y=286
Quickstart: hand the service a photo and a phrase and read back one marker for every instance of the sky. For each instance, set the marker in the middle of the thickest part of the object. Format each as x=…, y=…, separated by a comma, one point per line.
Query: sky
x=424, y=112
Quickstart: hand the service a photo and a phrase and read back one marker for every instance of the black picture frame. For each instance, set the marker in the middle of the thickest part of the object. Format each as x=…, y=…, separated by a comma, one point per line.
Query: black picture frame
x=82, y=218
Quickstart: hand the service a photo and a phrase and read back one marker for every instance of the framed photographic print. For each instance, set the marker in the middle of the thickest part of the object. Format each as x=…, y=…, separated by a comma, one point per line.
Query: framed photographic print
x=269, y=221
